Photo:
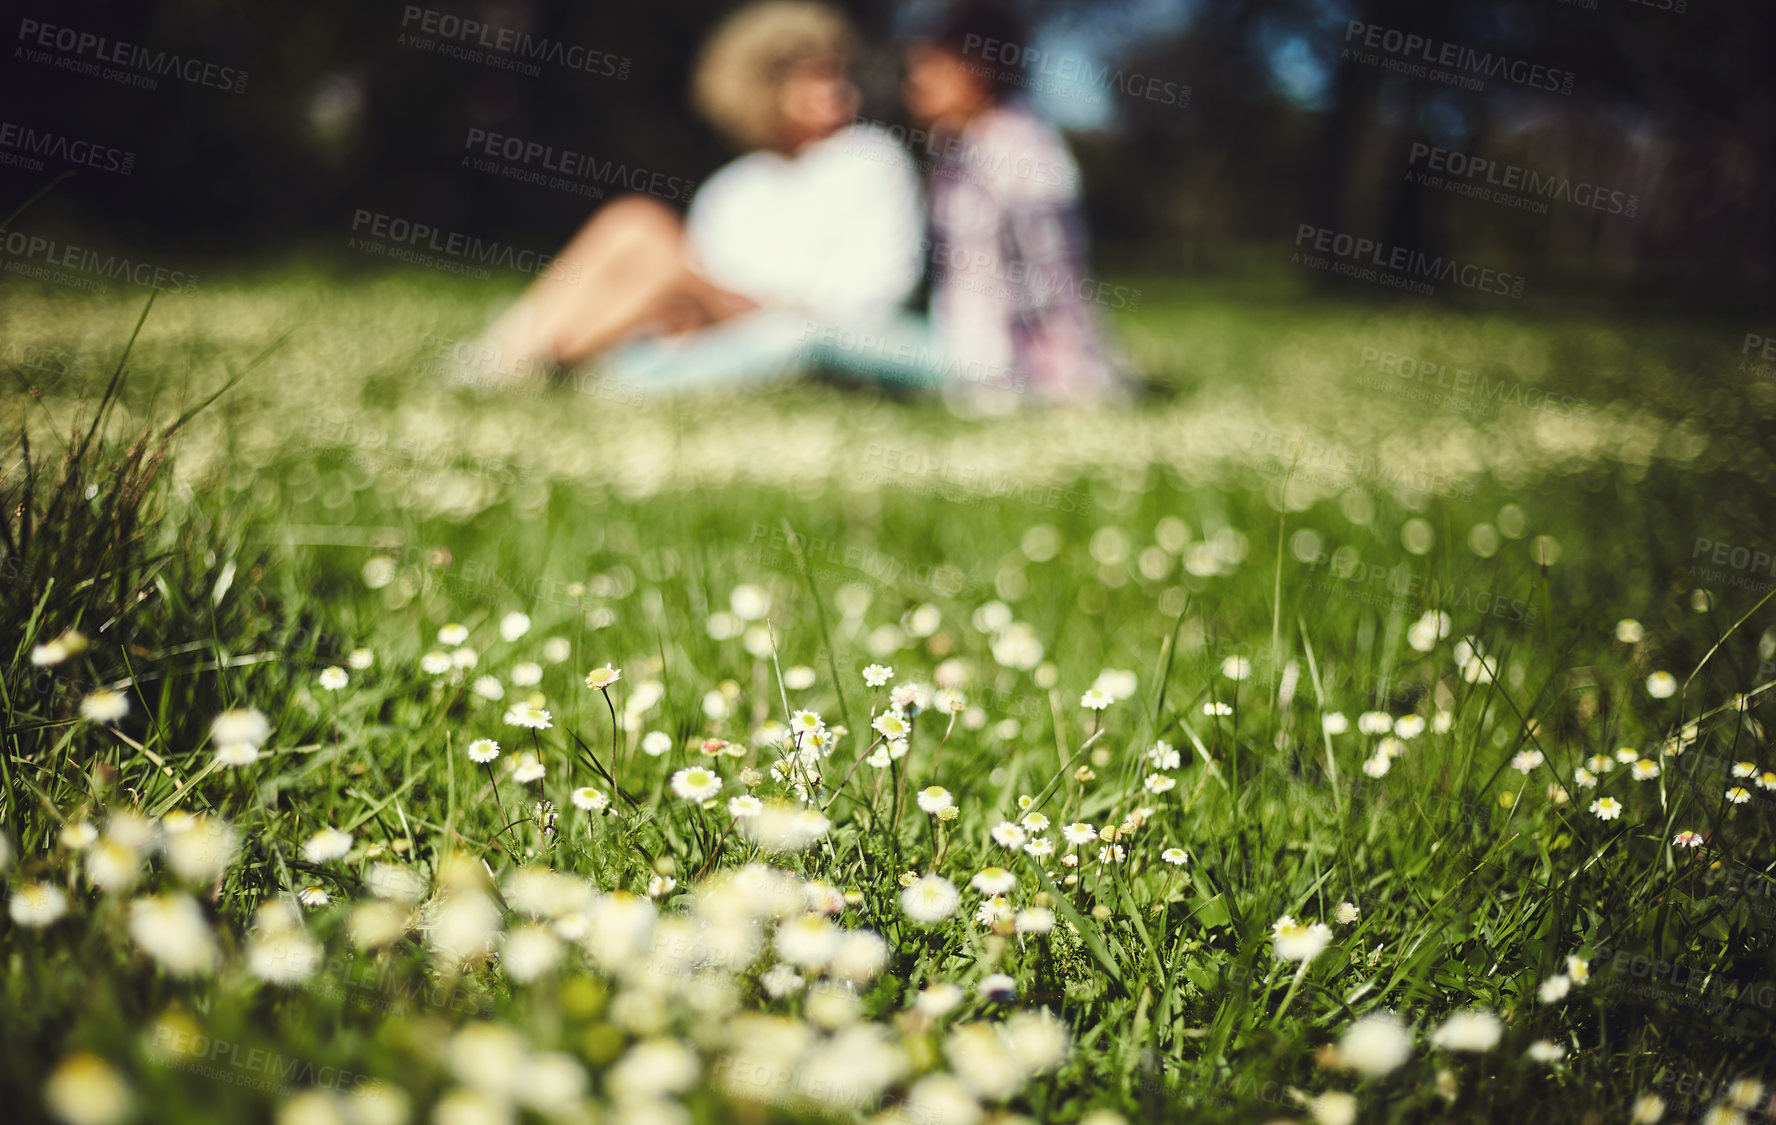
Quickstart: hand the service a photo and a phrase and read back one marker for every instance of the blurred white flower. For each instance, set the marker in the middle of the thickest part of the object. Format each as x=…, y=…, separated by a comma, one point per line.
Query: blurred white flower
x=526, y=714
x=1555, y=988
x=104, y=706
x=930, y=899
x=172, y=929
x=36, y=905
x=1299, y=941
x=529, y=952
x=1375, y=1045
x=200, y=849
x=86, y=1090
x=1474, y=1029
x=327, y=845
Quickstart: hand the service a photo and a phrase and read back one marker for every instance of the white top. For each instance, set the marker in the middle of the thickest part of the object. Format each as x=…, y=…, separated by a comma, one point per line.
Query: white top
x=833, y=231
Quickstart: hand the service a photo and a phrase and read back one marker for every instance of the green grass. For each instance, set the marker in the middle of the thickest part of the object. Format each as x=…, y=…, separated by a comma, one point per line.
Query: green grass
x=1279, y=499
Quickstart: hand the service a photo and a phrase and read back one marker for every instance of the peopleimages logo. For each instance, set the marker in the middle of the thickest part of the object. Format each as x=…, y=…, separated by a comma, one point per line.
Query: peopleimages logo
x=472, y=39
x=67, y=47
x=24, y=248
x=62, y=150
x=1471, y=171
x=408, y=237
x=545, y=165
x=1450, y=63
x=1052, y=70
x=1413, y=268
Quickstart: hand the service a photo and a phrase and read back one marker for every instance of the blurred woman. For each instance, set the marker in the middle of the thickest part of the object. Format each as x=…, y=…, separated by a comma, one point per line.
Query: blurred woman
x=819, y=223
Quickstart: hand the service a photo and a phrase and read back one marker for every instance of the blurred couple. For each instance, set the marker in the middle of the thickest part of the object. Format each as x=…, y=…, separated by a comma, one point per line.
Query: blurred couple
x=804, y=253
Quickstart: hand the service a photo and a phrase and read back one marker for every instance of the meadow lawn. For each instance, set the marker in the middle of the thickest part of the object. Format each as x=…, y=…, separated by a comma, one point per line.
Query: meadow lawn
x=1367, y=724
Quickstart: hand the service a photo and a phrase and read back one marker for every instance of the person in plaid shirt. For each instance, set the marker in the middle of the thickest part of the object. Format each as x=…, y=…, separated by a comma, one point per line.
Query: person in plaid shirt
x=1007, y=243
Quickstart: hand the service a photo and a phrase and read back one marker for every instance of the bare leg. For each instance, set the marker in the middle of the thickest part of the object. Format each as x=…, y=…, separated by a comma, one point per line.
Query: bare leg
x=624, y=271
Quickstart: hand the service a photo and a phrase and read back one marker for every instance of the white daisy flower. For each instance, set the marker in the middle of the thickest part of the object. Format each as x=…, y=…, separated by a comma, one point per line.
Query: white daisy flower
x=36, y=905
x=696, y=783
x=994, y=881
x=1299, y=941
x=483, y=750
x=876, y=675
x=327, y=845
x=600, y=678
x=1473, y=1030
x=104, y=706
x=1009, y=834
x=1409, y=726
x=241, y=725
x=1375, y=1045
x=930, y=899
x=935, y=799
x=745, y=806
x=1375, y=722
x=527, y=714
x=1079, y=833
x=588, y=799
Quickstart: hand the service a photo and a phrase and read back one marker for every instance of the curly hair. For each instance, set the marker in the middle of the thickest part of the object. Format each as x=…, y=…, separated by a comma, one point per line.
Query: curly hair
x=737, y=75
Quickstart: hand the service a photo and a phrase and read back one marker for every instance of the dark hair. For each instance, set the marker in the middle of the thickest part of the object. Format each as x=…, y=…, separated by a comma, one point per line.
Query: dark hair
x=987, y=32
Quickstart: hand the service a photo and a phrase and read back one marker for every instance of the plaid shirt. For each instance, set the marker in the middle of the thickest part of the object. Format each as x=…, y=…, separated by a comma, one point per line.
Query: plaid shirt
x=1011, y=292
